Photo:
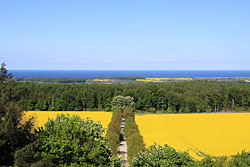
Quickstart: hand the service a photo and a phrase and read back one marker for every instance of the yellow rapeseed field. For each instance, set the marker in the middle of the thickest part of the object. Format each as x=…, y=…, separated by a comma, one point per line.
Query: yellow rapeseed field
x=214, y=134
x=41, y=117
x=100, y=80
x=162, y=79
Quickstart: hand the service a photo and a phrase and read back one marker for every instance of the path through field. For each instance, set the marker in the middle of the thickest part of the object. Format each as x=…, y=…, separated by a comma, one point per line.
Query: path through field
x=123, y=146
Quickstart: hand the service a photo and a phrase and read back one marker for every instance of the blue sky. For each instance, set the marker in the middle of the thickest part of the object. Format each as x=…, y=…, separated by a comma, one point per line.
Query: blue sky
x=125, y=34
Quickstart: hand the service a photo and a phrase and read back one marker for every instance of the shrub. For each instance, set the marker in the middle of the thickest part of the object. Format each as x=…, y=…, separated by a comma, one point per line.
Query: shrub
x=128, y=112
x=114, y=130
x=134, y=140
x=25, y=156
x=240, y=160
x=152, y=109
x=209, y=161
x=171, y=110
x=166, y=156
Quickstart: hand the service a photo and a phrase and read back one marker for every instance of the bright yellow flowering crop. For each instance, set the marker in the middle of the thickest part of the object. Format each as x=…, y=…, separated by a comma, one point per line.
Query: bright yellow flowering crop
x=100, y=80
x=214, y=134
x=41, y=117
x=162, y=79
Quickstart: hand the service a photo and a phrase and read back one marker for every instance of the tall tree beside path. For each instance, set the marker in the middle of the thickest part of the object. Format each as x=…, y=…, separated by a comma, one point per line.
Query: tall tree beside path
x=14, y=133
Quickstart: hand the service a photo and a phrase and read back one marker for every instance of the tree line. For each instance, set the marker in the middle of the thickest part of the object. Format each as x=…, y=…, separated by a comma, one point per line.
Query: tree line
x=135, y=143
x=174, y=97
x=114, y=130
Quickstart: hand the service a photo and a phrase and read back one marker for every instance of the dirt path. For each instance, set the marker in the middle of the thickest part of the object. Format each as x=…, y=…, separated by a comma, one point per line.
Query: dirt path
x=123, y=146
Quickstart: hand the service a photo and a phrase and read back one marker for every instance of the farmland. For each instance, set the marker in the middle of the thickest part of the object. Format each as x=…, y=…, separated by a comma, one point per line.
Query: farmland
x=41, y=117
x=215, y=134
x=163, y=79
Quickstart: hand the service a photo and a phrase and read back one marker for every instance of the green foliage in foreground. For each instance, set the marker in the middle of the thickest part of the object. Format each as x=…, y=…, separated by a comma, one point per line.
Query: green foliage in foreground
x=158, y=156
x=68, y=141
x=166, y=156
x=239, y=160
x=209, y=161
x=114, y=130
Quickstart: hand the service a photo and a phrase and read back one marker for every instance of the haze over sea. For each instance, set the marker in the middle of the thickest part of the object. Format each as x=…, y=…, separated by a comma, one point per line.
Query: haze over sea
x=118, y=73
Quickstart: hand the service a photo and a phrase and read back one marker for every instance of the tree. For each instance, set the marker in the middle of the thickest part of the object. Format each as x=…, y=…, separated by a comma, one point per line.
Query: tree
x=167, y=156
x=190, y=105
x=4, y=75
x=70, y=141
x=15, y=133
x=122, y=102
x=196, y=95
x=134, y=140
x=114, y=130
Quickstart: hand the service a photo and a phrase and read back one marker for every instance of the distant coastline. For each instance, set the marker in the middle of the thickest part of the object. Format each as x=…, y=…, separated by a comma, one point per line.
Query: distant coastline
x=120, y=73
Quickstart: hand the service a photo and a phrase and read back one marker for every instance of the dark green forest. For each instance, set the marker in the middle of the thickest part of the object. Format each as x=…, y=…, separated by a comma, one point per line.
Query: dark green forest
x=172, y=97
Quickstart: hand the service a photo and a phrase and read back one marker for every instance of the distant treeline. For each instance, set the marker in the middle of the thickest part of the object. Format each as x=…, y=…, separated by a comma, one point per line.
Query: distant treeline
x=76, y=80
x=50, y=80
x=172, y=97
x=223, y=79
x=122, y=80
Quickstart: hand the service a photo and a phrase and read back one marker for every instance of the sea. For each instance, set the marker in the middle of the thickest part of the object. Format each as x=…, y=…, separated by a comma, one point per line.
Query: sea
x=121, y=73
